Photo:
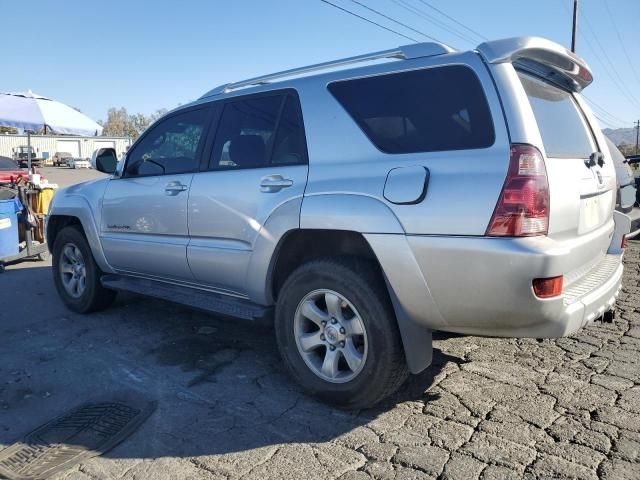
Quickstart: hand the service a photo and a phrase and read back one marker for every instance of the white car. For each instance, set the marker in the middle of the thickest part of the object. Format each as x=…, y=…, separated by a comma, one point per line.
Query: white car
x=78, y=163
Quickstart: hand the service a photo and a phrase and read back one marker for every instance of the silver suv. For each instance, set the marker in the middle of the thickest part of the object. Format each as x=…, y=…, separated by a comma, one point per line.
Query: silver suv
x=418, y=189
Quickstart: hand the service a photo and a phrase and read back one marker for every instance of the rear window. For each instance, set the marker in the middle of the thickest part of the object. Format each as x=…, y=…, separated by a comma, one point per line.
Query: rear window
x=425, y=110
x=564, y=131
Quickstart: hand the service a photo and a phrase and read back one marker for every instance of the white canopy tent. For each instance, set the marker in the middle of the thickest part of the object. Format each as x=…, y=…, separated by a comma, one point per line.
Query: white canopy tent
x=29, y=111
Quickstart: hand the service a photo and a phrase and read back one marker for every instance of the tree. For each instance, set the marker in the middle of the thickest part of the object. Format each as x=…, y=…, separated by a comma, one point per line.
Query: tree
x=122, y=124
x=119, y=124
x=9, y=130
x=627, y=149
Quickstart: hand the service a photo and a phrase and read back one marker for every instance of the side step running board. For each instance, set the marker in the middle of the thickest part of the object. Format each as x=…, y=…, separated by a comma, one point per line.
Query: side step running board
x=199, y=299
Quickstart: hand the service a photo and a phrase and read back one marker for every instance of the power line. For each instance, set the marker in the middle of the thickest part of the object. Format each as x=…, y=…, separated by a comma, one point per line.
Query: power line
x=605, y=68
x=395, y=21
x=453, y=19
x=606, y=56
x=603, y=110
x=605, y=122
x=624, y=47
x=369, y=21
x=593, y=50
x=435, y=21
x=605, y=117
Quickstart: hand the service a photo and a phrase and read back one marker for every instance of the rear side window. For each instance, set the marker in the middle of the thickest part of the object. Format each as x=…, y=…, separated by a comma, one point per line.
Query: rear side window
x=564, y=131
x=290, y=146
x=425, y=110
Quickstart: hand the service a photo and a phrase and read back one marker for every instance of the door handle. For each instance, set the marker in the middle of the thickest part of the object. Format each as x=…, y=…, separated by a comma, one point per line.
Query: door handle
x=174, y=188
x=274, y=183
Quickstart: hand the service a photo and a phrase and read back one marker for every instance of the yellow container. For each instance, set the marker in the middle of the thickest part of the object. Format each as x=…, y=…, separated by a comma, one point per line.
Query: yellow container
x=44, y=200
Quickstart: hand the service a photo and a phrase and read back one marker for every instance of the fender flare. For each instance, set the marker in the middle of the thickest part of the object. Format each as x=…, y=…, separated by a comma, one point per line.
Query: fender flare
x=77, y=206
x=347, y=212
x=368, y=215
x=358, y=213
x=284, y=219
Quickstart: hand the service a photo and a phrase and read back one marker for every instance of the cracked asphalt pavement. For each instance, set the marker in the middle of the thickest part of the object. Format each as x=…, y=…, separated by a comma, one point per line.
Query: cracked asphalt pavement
x=487, y=408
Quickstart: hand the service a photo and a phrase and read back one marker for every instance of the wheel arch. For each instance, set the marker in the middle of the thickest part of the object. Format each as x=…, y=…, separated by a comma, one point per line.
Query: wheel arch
x=56, y=223
x=303, y=245
x=76, y=210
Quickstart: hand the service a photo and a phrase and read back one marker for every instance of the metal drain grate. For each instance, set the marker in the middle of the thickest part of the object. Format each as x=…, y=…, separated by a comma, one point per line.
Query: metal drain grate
x=84, y=432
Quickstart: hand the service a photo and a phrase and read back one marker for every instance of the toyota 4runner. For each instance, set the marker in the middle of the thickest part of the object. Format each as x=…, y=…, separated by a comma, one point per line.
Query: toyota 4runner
x=361, y=204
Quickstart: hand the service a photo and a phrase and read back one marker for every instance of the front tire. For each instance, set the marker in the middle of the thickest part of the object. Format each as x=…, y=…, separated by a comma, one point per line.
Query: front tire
x=337, y=332
x=76, y=274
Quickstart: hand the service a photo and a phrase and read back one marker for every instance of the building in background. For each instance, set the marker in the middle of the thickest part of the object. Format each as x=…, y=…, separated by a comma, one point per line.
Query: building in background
x=45, y=146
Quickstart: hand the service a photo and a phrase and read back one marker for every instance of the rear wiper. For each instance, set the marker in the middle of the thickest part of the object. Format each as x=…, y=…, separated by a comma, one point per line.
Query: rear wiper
x=596, y=158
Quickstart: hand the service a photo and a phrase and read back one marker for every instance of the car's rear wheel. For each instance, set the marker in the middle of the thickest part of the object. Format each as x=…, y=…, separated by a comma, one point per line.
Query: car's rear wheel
x=337, y=332
x=76, y=274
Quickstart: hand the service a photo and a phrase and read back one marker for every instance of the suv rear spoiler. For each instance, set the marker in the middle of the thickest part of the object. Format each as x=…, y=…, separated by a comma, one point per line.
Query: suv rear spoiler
x=545, y=57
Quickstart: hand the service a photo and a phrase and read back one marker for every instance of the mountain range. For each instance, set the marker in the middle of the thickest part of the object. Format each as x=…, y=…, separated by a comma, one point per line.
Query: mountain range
x=621, y=136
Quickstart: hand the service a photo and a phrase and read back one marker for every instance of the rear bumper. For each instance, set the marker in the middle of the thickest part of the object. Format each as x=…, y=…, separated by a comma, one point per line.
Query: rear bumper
x=483, y=286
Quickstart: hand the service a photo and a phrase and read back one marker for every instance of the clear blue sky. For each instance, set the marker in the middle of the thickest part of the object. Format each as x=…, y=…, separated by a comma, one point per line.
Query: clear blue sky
x=148, y=55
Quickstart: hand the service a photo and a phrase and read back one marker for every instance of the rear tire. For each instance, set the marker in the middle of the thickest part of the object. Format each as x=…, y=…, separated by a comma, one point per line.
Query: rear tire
x=76, y=274
x=371, y=365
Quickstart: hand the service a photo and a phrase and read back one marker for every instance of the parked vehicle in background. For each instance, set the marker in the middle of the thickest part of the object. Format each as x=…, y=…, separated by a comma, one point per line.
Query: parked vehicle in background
x=634, y=162
x=78, y=163
x=339, y=203
x=21, y=155
x=627, y=196
x=10, y=170
x=61, y=158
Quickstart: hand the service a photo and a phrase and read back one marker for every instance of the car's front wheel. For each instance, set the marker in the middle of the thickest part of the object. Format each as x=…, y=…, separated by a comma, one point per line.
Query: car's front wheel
x=76, y=274
x=337, y=332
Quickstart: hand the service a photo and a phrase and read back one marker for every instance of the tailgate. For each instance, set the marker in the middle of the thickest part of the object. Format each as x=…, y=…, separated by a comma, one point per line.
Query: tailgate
x=582, y=180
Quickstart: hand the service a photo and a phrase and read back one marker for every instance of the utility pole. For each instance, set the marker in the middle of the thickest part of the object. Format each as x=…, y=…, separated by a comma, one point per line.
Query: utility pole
x=637, y=125
x=575, y=26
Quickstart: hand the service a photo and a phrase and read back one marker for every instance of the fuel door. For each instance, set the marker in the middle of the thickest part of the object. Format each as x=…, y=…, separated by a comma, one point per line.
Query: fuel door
x=406, y=185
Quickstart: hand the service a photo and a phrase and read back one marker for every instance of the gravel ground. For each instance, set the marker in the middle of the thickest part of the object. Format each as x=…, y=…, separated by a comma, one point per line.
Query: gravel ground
x=487, y=408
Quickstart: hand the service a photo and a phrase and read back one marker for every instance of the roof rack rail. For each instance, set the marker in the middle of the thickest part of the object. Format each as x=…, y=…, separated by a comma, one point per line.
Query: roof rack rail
x=405, y=52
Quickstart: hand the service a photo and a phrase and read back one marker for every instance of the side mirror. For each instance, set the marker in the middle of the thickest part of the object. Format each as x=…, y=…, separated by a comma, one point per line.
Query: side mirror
x=105, y=160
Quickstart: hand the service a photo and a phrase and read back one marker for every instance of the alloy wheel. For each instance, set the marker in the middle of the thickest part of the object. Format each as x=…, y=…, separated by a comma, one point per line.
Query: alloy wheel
x=330, y=336
x=73, y=270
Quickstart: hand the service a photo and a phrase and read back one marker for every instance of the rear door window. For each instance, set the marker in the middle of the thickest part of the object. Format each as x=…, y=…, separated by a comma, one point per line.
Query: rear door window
x=246, y=132
x=425, y=110
x=257, y=132
x=564, y=131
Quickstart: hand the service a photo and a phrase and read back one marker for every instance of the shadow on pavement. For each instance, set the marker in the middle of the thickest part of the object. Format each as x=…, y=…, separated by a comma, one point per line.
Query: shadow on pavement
x=219, y=383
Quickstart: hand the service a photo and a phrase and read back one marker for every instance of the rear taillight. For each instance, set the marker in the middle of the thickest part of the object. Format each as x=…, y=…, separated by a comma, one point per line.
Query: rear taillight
x=625, y=242
x=548, y=287
x=523, y=207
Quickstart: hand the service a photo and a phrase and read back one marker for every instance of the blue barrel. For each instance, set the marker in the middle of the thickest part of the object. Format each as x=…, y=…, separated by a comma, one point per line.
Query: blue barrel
x=9, y=227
